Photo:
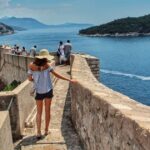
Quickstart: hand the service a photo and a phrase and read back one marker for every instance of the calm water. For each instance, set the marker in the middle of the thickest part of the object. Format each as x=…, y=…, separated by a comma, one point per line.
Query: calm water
x=125, y=62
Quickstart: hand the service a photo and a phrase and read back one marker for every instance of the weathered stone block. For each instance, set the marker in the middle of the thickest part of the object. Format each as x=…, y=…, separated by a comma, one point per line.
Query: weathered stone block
x=16, y=60
x=5, y=132
x=10, y=59
x=23, y=63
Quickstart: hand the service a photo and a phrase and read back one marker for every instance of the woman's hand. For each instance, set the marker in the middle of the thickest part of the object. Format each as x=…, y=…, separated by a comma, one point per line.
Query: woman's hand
x=73, y=81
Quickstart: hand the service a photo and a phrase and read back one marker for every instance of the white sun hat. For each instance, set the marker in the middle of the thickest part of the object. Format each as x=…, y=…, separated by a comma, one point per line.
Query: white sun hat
x=44, y=53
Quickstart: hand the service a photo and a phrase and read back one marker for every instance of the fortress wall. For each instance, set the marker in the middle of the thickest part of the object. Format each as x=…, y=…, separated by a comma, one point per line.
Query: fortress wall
x=93, y=63
x=14, y=68
x=5, y=132
x=21, y=107
x=25, y=102
x=103, y=118
x=5, y=100
x=2, y=51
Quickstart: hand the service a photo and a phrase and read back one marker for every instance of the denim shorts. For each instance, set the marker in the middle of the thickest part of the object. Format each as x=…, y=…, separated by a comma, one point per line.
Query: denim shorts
x=44, y=95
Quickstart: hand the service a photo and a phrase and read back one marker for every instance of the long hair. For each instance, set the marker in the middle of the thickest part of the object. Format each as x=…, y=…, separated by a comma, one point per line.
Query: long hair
x=40, y=62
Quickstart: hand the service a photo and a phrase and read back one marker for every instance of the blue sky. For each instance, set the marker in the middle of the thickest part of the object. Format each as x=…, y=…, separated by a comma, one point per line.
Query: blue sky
x=80, y=11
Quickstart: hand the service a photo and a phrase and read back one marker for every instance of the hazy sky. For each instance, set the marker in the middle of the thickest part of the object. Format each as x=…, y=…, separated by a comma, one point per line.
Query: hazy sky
x=80, y=11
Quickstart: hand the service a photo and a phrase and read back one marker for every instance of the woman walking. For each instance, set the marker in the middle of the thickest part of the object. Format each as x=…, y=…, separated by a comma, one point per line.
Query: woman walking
x=39, y=72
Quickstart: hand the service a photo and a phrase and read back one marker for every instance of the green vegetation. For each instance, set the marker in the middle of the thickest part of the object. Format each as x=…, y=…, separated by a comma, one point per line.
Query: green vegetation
x=140, y=25
x=11, y=86
x=5, y=29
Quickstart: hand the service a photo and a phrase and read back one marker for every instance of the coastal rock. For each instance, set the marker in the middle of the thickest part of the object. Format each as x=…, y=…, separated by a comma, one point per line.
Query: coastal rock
x=5, y=29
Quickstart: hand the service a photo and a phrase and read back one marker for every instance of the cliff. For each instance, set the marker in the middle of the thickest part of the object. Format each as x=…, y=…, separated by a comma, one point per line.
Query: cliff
x=130, y=26
x=5, y=29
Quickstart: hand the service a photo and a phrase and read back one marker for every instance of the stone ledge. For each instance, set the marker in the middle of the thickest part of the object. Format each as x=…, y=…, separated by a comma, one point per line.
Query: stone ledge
x=107, y=110
x=5, y=132
x=21, y=107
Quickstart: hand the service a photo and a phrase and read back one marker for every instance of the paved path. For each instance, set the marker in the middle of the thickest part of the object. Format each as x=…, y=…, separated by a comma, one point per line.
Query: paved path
x=62, y=134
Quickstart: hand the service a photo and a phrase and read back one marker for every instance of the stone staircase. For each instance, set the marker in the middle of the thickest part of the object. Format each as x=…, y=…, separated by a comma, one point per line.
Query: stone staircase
x=62, y=133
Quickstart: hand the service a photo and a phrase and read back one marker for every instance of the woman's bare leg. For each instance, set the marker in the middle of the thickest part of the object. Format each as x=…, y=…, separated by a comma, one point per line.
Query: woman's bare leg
x=39, y=104
x=47, y=114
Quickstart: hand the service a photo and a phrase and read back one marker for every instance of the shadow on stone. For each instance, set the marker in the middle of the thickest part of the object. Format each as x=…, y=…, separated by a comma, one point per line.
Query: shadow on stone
x=68, y=131
x=31, y=140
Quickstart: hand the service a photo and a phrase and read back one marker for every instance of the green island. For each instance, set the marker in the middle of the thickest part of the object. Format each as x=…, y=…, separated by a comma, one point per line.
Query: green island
x=5, y=29
x=130, y=26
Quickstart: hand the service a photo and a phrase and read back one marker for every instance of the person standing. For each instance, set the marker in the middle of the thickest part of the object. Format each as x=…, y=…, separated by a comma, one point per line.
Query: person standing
x=17, y=50
x=24, y=52
x=13, y=49
x=39, y=72
x=67, y=50
x=60, y=53
x=33, y=51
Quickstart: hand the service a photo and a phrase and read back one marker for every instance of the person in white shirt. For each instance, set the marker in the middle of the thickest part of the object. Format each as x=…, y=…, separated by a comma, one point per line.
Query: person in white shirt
x=33, y=51
x=61, y=53
x=13, y=49
x=24, y=52
x=17, y=50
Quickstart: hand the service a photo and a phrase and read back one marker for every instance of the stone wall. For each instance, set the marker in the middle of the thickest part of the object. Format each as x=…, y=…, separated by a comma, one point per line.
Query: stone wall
x=21, y=107
x=14, y=68
x=2, y=51
x=5, y=132
x=94, y=65
x=103, y=118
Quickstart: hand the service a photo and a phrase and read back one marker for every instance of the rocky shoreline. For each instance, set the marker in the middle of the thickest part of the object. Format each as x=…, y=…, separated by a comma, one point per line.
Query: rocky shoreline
x=5, y=29
x=132, y=34
x=7, y=33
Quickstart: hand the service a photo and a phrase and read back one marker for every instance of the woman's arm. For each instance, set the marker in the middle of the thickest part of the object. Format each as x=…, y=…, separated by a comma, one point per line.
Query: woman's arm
x=62, y=77
x=30, y=77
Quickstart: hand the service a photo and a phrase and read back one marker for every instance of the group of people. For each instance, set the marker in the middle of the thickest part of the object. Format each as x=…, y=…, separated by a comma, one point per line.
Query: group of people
x=64, y=51
x=16, y=50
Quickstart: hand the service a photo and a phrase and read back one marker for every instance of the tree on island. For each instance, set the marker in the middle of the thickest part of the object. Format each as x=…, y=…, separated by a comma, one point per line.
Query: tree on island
x=129, y=25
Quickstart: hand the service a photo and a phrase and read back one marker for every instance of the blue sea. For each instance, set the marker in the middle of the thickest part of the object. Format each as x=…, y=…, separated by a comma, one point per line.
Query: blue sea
x=124, y=61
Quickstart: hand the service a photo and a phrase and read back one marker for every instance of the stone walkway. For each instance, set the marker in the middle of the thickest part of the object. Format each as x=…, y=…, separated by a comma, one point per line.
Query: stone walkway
x=62, y=134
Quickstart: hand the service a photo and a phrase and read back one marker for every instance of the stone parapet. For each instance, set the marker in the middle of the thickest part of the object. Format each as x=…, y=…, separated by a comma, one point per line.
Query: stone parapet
x=94, y=65
x=103, y=118
x=20, y=107
x=14, y=67
x=5, y=132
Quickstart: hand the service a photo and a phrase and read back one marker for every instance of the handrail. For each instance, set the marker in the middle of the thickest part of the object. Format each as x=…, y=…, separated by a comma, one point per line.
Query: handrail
x=10, y=104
